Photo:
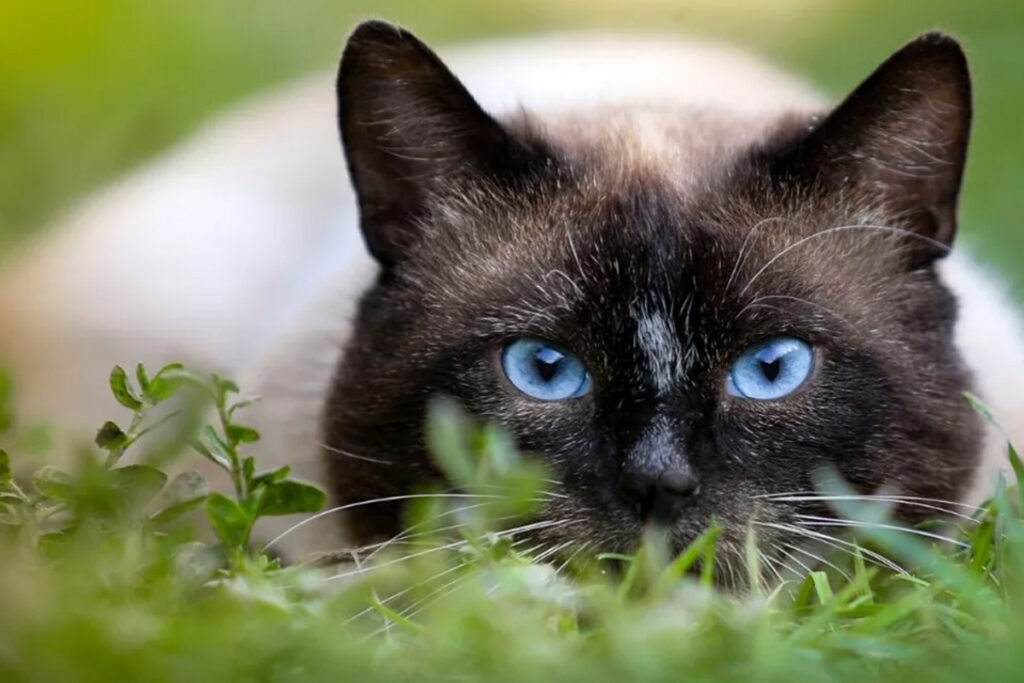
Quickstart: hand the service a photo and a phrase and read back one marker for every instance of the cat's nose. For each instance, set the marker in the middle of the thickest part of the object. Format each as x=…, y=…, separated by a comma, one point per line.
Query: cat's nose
x=659, y=496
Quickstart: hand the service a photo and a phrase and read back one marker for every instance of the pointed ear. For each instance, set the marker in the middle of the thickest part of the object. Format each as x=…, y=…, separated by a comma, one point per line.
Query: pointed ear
x=411, y=131
x=901, y=138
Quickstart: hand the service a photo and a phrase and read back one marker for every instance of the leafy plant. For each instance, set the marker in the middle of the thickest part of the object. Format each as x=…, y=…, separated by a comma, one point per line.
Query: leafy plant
x=58, y=501
x=256, y=494
x=460, y=593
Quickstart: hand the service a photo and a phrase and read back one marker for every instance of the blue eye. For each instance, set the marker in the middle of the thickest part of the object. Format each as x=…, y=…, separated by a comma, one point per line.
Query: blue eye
x=544, y=371
x=772, y=369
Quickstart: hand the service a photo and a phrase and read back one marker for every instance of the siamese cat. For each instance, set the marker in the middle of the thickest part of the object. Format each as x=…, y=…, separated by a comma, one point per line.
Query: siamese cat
x=677, y=276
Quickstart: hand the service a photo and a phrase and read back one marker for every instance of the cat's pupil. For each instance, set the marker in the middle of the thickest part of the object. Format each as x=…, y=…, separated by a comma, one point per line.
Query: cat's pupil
x=771, y=369
x=547, y=361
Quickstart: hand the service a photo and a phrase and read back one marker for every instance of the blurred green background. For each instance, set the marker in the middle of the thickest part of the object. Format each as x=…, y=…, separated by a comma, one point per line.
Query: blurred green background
x=89, y=88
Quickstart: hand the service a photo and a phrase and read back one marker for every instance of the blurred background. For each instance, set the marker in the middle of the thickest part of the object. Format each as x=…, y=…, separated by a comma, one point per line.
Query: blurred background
x=88, y=90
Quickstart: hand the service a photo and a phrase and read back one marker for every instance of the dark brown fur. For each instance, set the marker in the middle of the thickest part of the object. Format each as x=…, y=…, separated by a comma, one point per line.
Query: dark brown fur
x=489, y=232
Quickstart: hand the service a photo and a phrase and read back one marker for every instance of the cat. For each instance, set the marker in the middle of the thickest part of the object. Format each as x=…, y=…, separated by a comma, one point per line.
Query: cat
x=674, y=274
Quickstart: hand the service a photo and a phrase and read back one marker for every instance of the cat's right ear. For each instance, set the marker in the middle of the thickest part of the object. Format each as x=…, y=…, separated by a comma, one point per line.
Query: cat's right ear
x=411, y=132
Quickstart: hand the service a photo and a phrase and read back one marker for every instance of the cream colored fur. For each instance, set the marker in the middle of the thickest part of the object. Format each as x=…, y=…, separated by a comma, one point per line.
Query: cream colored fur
x=239, y=251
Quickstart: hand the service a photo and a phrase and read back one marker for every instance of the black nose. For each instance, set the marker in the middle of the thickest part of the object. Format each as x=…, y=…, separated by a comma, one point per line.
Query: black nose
x=660, y=496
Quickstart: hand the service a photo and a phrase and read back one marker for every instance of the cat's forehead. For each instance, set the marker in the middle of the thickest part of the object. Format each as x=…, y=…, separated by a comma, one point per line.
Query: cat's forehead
x=646, y=218
x=683, y=146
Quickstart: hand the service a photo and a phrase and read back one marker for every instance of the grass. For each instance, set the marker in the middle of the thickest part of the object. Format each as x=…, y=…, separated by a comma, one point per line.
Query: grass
x=102, y=580
x=89, y=90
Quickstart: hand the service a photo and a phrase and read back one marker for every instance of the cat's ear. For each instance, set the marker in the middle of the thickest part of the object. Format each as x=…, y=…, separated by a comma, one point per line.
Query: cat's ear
x=411, y=131
x=901, y=138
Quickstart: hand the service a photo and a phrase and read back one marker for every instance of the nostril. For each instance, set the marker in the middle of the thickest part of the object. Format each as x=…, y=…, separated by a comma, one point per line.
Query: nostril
x=639, y=490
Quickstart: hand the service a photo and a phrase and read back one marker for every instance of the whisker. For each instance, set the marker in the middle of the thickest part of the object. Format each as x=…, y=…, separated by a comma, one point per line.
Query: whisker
x=571, y=557
x=404, y=591
x=439, y=593
x=361, y=503
x=841, y=228
x=838, y=543
x=404, y=535
x=552, y=551
x=813, y=495
x=820, y=559
x=349, y=454
x=791, y=556
x=759, y=302
x=449, y=546
x=769, y=564
x=741, y=256
x=909, y=501
x=851, y=523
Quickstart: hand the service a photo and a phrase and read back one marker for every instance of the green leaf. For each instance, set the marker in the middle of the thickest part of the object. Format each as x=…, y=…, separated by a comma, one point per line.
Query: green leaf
x=9, y=515
x=142, y=377
x=122, y=391
x=271, y=477
x=821, y=587
x=230, y=522
x=166, y=382
x=216, y=449
x=111, y=437
x=289, y=497
x=162, y=388
x=53, y=482
x=978, y=406
x=139, y=484
x=241, y=433
x=1015, y=462
x=185, y=493
x=210, y=455
x=248, y=468
x=1018, y=472
x=5, y=467
x=176, y=372
x=198, y=563
x=447, y=427
x=222, y=387
x=244, y=403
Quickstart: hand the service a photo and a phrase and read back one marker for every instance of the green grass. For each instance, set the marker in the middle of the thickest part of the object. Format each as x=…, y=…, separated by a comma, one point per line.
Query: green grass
x=89, y=90
x=101, y=581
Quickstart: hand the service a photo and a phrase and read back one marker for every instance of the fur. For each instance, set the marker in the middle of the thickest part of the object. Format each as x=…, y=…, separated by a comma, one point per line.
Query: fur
x=658, y=216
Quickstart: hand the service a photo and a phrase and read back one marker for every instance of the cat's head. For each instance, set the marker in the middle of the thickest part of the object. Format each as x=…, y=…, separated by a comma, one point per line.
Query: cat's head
x=680, y=329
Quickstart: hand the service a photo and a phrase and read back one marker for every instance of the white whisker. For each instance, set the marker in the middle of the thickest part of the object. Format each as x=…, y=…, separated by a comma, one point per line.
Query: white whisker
x=571, y=557
x=841, y=228
x=922, y=503
x=552, y=551
x=349, y=454
x=404, y=591
x=361, y=503
x=791, y=556
x=741, y=256
x=820, y=559
x=838, y=543
x=856, y=524
x=449, y=546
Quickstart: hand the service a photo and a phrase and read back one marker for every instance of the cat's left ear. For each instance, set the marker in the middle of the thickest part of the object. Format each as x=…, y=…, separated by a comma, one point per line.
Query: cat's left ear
x=901, y=139
x=412, y=132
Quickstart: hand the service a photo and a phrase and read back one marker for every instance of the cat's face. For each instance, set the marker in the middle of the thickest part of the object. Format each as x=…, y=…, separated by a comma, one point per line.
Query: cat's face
x=675, y=352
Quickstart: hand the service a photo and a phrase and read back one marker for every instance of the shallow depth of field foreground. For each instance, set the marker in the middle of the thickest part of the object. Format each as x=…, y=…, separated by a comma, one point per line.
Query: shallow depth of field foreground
x=119, y=572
